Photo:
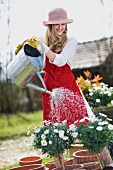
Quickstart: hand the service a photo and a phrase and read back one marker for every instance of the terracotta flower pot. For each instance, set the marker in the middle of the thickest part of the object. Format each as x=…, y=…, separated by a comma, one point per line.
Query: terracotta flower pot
x=51, y=164
x=75, y=166
x=91, y=165
x=83, y=156
x=30, y=160
x=30, y=167
x=70, y=168
x=68, y=161
x=58, y=168
x=74, y=148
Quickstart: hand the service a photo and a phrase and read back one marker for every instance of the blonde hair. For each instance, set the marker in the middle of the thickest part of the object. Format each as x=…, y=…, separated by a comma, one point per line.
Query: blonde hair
x=55, y=42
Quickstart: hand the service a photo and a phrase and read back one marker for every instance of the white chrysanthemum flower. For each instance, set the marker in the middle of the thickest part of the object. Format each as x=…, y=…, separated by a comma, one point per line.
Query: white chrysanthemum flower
x=67, y=131
x=48, y=122
x=109, y=94
x=46, y=131
x=97, y=100
x=88, y=81
x=65, y=138
x=50, y=142
x=56, y=124
x=112, y=102
x=91, y=94
x=110, y=127
x=105, y=92
x=102, y=84
x=99, y=128
x=111, y=88
x=109, y=119
x=56, y=130
x=91, y=127
x=90, y=90
x=37, y=130
x=101, y=92
x=28, y=132
x=99, y=120
x=61, y=131
x=33, y=136
x=94, y=85
x=103, y=123
x=61, y=135
x=72, y=127
x=64, y=122
x=74, y=134
x=43, y=136
x=103, y=115
x=97, y=88
x=43, y=143
x=29, y=127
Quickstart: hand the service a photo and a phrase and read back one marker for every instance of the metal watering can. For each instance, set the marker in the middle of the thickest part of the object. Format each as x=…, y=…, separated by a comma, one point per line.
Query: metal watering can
x=23, y=69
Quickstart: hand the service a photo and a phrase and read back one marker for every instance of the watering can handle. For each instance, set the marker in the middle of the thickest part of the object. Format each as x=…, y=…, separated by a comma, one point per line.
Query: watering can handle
x=43, y=54
x=38, y=73
x=41, y=79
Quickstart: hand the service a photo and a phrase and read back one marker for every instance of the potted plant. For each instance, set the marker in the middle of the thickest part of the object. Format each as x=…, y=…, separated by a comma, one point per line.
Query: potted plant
x=54, y=139
x=95, y=135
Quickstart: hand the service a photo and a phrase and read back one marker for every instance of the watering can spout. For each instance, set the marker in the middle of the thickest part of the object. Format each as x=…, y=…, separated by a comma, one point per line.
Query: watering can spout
x=55, y=94
x=31, y=85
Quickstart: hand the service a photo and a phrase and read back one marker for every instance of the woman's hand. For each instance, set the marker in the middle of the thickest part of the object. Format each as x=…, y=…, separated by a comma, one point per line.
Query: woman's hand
x=40, y=49
x=38, y=42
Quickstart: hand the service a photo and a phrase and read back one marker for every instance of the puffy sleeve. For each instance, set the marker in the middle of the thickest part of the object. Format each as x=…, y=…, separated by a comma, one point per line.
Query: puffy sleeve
x=67, y=54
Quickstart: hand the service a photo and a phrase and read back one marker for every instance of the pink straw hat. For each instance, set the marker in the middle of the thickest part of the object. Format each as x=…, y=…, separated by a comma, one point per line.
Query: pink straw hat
x=57, y=16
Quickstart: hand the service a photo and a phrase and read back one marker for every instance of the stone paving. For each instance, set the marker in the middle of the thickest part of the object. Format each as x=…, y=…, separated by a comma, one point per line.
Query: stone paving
x=12, y=150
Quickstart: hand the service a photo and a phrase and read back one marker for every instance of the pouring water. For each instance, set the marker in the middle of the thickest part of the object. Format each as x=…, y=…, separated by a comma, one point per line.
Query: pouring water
x=55, y=94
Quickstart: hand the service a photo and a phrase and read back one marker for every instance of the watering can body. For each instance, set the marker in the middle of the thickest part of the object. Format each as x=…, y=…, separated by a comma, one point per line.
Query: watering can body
x=23, y=69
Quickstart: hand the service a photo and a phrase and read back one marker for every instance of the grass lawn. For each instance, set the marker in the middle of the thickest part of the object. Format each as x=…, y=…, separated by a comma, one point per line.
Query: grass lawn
x=16, y=125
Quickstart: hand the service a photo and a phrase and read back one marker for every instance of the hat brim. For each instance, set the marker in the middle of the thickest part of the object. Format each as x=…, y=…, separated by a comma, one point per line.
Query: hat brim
x=64, y=21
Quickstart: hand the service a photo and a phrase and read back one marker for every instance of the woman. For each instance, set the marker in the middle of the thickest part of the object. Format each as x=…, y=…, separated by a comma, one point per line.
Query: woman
x=60, y=51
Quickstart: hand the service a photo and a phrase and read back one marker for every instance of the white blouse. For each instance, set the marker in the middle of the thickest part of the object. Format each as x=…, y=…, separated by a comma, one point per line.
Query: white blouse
x=67, y=54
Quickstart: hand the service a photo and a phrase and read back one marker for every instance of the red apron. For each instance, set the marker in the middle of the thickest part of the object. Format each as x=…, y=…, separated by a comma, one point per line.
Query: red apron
x=56, y=77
